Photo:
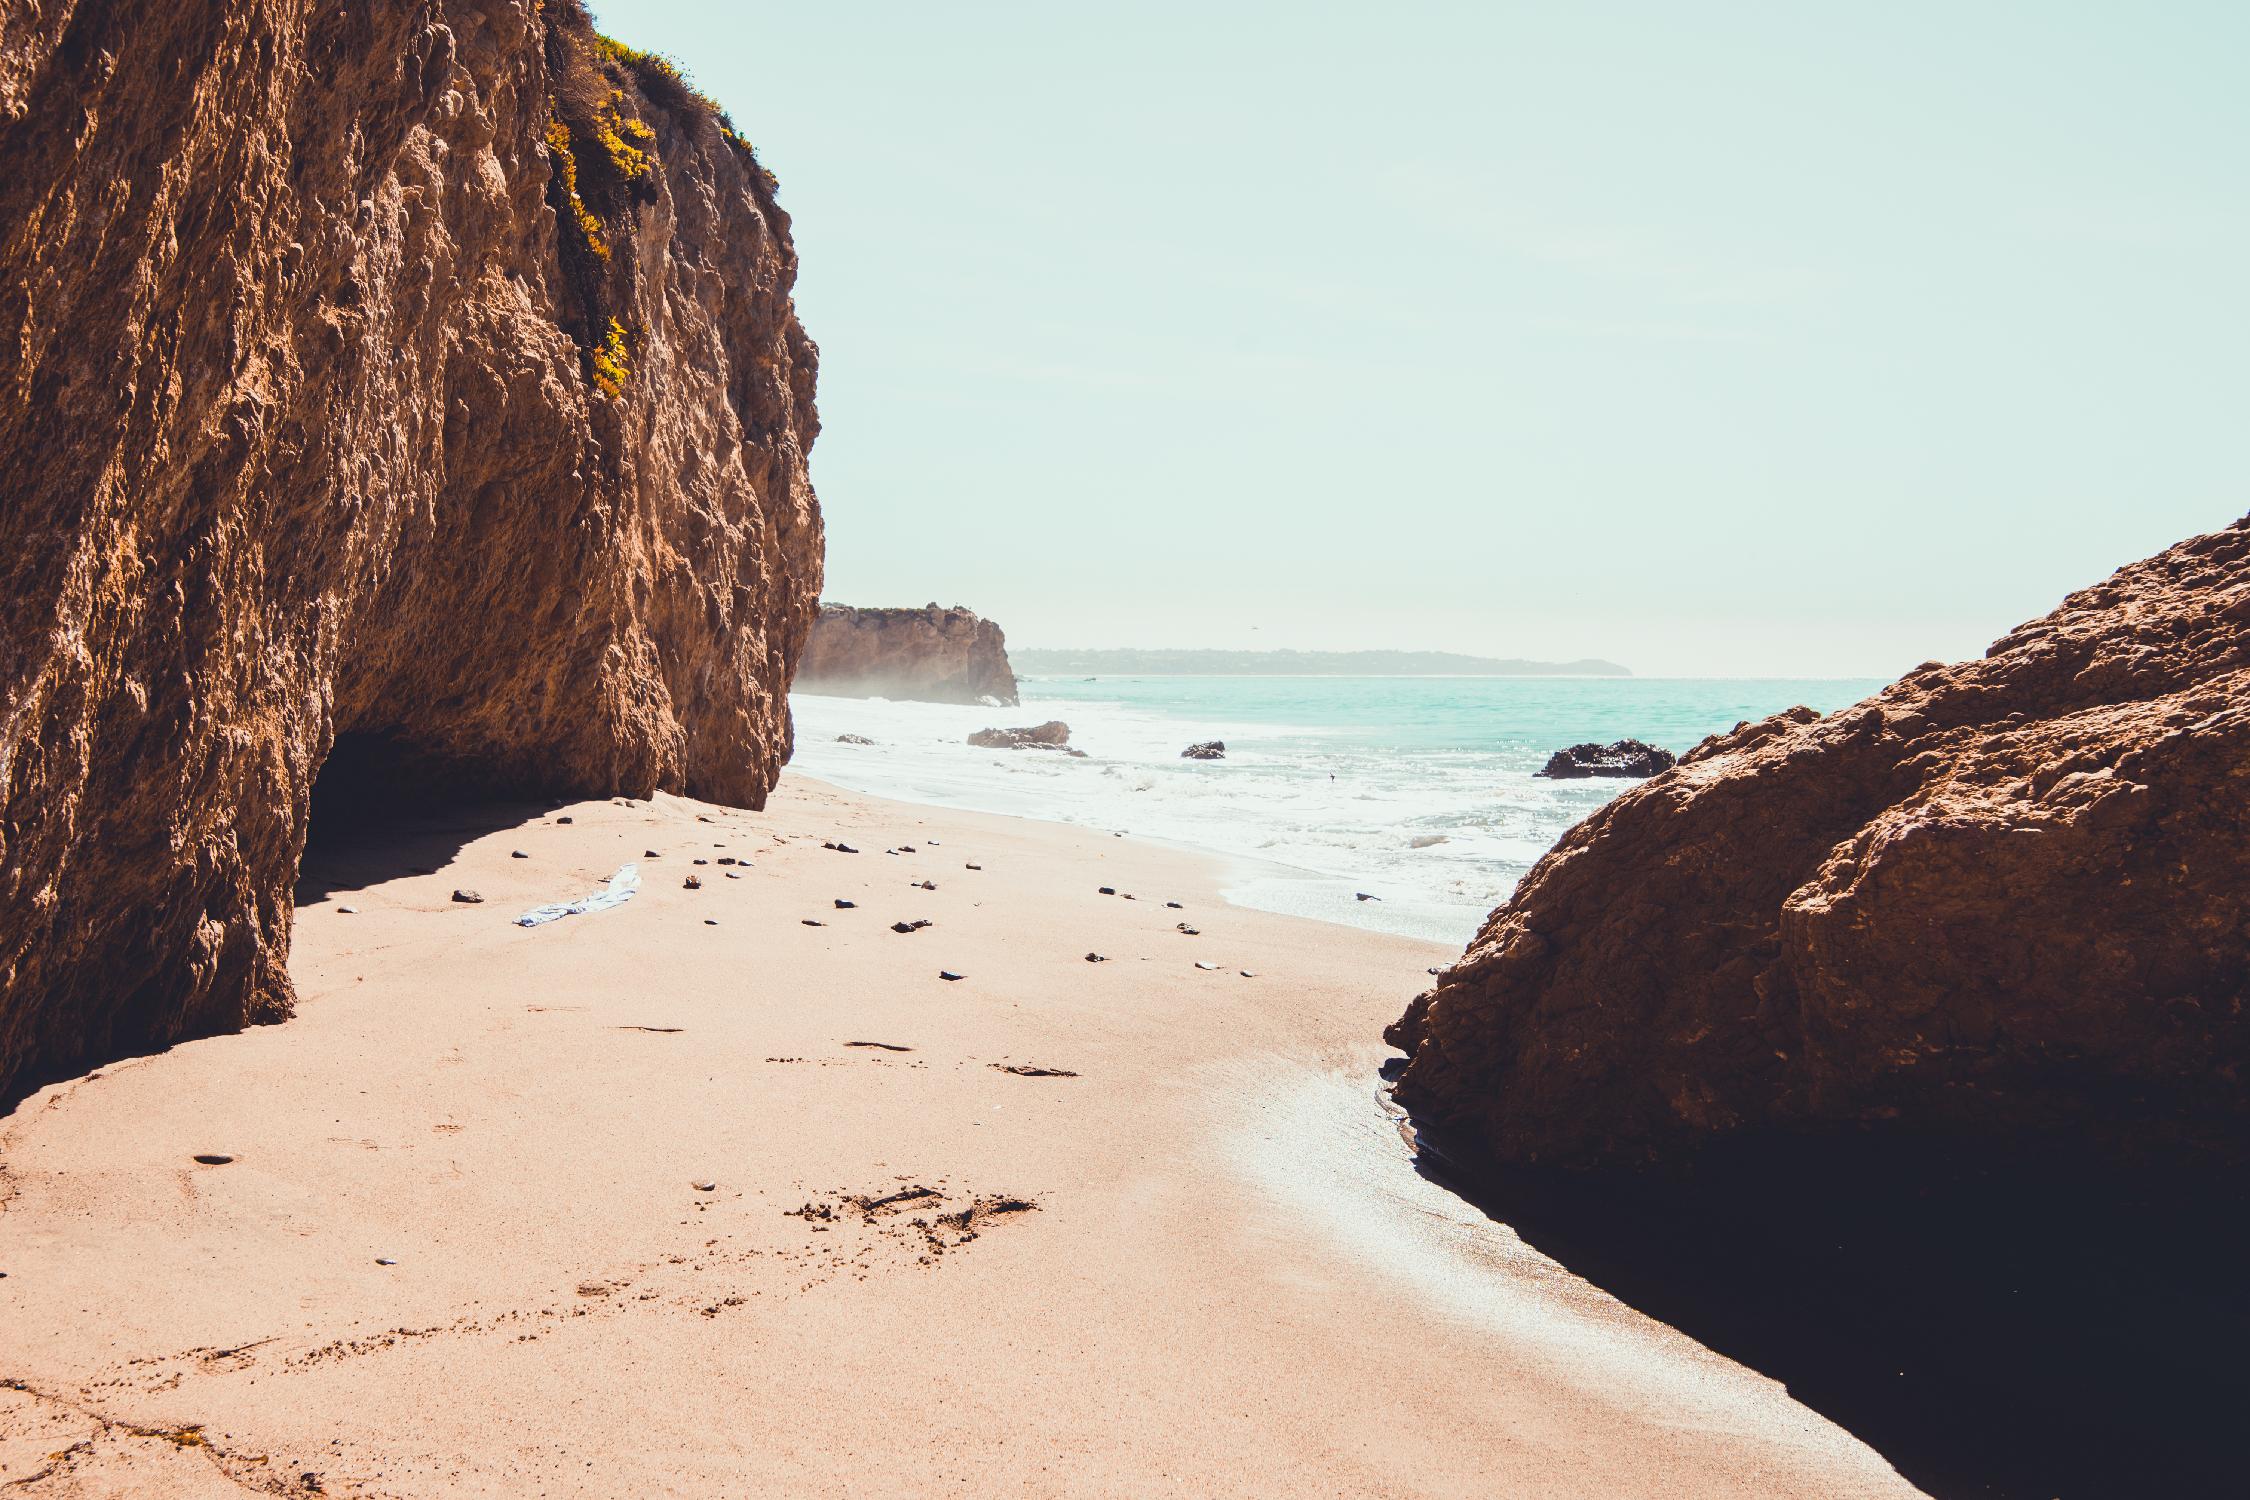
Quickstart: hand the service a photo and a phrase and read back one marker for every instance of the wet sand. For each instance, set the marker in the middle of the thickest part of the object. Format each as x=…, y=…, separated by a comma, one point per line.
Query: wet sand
x=1181, y=1249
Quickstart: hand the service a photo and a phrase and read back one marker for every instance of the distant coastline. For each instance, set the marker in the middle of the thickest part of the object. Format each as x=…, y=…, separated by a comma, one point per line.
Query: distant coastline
x=1129, y=661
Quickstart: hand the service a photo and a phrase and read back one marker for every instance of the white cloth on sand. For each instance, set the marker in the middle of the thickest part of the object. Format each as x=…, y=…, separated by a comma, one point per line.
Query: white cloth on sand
x=619, y=891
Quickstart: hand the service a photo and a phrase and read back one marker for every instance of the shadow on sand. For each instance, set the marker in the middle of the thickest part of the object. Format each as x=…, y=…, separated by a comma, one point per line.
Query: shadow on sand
x=2023, y=1329
x=378, y=814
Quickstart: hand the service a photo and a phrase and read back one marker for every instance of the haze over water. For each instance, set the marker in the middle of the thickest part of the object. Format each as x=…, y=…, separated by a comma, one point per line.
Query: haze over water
x=1417, y=790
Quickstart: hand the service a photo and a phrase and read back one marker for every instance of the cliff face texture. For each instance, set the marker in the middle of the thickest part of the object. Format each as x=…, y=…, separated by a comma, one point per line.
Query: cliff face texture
x=934, y=655
x=422, y=372
x=2007, y=900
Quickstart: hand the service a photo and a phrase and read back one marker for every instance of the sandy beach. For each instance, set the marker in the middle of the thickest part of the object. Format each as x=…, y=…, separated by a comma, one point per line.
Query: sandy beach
x=727, y=1192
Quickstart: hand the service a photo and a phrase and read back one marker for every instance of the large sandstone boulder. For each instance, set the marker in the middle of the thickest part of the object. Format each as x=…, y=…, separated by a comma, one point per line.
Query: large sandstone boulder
x=930, y=654
x=2005, y=900
x=416, y=375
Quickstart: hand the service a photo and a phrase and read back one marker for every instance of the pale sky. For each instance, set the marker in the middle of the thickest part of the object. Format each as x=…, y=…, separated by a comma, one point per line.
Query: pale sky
x=1763, y=339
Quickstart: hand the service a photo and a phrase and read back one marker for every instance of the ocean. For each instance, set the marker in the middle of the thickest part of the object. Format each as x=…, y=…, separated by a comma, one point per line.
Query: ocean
x=1417, y=791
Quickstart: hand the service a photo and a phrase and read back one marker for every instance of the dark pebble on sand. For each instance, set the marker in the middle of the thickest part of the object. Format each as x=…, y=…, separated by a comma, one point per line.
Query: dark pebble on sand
x=1199, y=963
x=811, y=922
x=705, y=1187
x=1174, y=906
x=691, y=884
x=517, y=854
x=213, y=1158
x=925, y=885
x=1365, y=897
x=949, y=974
x=843, y=905
x=726, y=859
x=468, y=898
x=1096, y=958
x=703, y=861
x=972, y=867
x=384, y=1260
x=349, y=911
x=563, y=820
x=650, y=854
x=914, y=926
x=710, y=921
x=732, y=876
x=1107, y=890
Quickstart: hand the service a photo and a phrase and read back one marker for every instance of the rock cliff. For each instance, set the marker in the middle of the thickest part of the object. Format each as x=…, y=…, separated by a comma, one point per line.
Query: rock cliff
x=419, y=376
x=2002, y=901
x=930, y=654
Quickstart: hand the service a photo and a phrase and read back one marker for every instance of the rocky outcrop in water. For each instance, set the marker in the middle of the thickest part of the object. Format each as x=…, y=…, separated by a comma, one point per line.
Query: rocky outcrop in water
x=1617, y=758
x=1205, y=750
x=2006, y=900
x=1052, y=735
x=930, y=654
x=419, y=376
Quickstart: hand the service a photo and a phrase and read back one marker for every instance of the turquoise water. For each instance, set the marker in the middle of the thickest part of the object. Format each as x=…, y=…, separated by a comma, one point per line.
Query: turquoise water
x=1415, y=790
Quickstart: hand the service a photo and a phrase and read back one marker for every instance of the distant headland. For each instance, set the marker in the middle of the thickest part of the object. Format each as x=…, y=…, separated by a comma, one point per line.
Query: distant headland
x=1128, y=661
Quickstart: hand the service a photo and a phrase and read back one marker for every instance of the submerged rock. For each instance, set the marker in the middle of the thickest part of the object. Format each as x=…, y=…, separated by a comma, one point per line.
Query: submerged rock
x=1207, y=750
x=1052, y=735
x=1617, y=758
x=369, y=409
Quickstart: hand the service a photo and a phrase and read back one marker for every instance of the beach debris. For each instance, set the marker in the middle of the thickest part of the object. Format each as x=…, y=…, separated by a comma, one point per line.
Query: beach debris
x=914, y=926
x=692, y=883
x=1107, y=890
x=1362, y=895
x=886, y=1046
x=1097, y=958
x=1248, y=975
x=933, y=843
x=385, y=1260
x=972, y=867
x=853, y=739
x=843, y=905
x=839, y=848
x=349, y=911
x=1026, y=1070
x=468, y=897
x=731, y=875
x=1199, y=963
x=1190, y=931
x=213, y=1158
x=908, y=849
x=704, y=1187
x=703, y=861
x=1131, y=897
x=517, y=854
x=703, y=818
x=923, y=885
x=811, y=922
x=657, y=1030
x=1174, y=906
x=617, y=892
x=726, y=859
x=1208, y=750
x=949, y=974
